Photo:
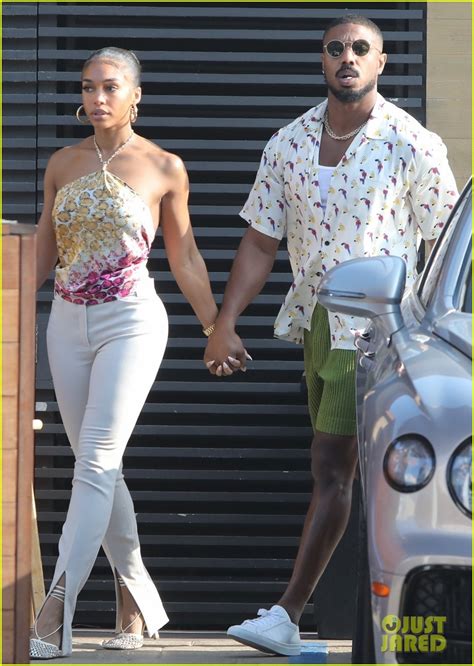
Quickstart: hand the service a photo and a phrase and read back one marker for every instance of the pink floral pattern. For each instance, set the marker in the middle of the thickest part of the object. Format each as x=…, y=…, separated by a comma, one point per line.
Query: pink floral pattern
x=392, y=187
x=104, y=231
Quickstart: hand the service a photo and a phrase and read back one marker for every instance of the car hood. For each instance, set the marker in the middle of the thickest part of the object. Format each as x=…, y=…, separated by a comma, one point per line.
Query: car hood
x=439, y=374
x=456, y=329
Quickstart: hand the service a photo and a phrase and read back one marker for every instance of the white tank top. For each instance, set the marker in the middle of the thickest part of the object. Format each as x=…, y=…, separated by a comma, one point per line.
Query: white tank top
x=324, y=177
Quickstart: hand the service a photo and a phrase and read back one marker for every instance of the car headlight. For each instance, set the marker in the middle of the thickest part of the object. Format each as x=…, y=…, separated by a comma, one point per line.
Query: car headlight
x=409, y=463
x=460, y=477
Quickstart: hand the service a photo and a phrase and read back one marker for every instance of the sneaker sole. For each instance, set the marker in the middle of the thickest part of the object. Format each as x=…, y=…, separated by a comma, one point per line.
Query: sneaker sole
x=265, y=645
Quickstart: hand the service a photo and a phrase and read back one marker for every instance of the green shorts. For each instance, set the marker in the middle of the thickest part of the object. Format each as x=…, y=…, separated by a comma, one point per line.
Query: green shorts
x=330, y=378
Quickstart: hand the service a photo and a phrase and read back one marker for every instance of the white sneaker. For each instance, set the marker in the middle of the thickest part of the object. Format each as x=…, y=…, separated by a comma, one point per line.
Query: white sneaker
x=272, y=632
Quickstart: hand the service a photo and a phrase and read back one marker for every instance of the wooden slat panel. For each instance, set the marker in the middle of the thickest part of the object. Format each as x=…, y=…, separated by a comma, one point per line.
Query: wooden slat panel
x=10, y=315
x=9, y=421
x=8, y=633
x=8, y=573
x=9, y=479
x=10, y=366
x=8, y=599
x=10, y=264
x=24, y=471
x=9, y=549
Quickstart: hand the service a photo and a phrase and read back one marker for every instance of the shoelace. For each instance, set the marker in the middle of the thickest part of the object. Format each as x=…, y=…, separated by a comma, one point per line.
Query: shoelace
x=265, y=618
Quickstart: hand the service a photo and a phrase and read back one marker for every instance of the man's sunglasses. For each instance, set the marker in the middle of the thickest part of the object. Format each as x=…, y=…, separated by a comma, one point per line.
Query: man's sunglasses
x=360, y=47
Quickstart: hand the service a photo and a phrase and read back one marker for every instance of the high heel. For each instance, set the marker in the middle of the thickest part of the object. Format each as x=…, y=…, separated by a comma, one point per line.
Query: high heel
x=125, y=641
x=41, y=649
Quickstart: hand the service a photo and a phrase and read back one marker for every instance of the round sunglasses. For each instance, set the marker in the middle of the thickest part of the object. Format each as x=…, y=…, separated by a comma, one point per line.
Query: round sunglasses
x=360, y=47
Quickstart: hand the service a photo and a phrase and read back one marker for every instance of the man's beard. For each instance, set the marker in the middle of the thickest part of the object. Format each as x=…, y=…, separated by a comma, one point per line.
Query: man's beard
x=348, y=96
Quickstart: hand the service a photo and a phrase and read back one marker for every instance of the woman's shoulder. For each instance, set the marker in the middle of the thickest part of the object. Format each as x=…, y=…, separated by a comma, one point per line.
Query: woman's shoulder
x=166, y=163
x=62, y=157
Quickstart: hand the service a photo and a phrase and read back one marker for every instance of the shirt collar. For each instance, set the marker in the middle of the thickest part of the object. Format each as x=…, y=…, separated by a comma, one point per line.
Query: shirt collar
x=377, y=125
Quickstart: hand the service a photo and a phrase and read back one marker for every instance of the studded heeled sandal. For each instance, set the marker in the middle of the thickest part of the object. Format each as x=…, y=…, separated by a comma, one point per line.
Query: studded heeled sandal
x=39, y=648
x=124, y=640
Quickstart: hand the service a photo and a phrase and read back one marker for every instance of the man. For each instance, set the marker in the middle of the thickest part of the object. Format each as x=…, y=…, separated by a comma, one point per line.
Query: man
x=355, y=176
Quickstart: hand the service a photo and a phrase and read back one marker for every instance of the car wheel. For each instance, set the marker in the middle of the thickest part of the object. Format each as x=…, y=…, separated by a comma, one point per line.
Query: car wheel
x=363, y=651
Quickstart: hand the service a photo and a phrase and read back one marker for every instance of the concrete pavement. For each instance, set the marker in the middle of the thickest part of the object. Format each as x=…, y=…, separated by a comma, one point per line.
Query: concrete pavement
x=174, y=647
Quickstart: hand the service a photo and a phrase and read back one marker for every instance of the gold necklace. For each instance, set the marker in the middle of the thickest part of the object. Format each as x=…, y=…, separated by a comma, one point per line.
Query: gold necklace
x=105, y=163
x=343, y=137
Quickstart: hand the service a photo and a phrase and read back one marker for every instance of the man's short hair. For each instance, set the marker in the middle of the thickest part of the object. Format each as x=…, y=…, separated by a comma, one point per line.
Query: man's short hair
x=357, y=20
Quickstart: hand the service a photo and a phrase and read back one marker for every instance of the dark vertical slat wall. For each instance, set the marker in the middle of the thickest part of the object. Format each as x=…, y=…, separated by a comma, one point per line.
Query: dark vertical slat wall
x=218, y=468
x=19, y=111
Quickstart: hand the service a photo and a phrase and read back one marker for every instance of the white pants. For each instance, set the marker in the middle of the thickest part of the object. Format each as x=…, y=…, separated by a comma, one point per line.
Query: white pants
x=104, y=359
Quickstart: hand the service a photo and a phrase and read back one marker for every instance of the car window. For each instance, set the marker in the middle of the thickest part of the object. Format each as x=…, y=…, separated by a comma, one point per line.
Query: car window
x=431, y=273
x=467, y=297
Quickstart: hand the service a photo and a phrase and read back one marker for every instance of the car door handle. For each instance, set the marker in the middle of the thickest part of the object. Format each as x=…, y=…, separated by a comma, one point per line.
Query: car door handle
x=362, y=344
x=366, y=363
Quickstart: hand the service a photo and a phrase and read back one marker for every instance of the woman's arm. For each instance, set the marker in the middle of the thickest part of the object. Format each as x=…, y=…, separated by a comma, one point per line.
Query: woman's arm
x=46, y=249
x=186, y=263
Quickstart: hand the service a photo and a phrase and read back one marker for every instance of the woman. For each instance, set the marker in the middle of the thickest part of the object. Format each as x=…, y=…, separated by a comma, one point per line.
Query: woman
x=103, y=200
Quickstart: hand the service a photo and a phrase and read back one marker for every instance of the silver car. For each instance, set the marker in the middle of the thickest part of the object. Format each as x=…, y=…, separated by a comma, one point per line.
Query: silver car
x=414, y=431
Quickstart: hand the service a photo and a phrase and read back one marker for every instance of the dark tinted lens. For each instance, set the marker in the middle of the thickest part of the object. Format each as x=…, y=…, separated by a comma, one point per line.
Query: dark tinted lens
x=360, y=47
x=335, y=48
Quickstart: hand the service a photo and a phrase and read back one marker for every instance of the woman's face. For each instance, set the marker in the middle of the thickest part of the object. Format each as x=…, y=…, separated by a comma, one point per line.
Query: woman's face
x=108, y=93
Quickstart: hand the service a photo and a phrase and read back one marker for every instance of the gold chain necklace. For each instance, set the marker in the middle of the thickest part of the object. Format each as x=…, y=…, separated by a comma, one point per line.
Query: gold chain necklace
x=344, y=137
x=105, y=163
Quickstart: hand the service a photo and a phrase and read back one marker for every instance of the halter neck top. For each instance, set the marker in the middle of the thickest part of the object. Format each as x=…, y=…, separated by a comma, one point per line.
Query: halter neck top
x=104, y=231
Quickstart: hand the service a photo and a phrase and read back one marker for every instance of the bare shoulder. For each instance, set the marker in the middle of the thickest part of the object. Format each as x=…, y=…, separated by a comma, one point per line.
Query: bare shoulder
x=167, y=165
x=64, y=157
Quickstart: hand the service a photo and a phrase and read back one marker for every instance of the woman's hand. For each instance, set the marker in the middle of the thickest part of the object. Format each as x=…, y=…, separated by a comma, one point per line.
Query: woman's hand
x=225, y=352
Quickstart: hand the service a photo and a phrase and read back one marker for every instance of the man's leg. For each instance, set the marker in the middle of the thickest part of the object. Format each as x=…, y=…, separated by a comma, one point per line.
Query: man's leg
x=330, y=378
x=333, y=464
x=334, y=460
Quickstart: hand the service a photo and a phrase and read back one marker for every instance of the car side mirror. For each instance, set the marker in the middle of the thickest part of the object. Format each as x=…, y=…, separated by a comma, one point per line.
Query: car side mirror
x=366, y=287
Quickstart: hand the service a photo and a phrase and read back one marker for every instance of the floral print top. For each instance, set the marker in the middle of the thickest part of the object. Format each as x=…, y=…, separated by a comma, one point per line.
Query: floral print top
x=392, y=187
x=104, y=231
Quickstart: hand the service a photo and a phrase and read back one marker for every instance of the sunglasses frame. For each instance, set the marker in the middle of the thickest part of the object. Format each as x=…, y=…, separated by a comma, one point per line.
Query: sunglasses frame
x=346, y=44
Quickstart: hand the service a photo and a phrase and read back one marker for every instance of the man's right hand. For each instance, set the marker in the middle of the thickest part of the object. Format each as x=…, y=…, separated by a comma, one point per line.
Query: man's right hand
x=225, y=352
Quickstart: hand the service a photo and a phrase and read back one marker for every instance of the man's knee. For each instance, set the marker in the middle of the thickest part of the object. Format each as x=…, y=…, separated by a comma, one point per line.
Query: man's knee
x=333, y=461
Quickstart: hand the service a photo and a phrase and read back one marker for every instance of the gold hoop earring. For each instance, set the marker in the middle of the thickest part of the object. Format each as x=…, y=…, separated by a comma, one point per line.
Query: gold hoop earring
x=133, y=114
x=78, y=116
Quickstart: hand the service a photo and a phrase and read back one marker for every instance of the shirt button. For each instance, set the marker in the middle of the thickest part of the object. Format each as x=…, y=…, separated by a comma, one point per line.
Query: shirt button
x=326, y=242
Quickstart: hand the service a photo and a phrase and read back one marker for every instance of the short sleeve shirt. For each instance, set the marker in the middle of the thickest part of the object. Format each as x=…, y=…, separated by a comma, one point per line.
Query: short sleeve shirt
x=392, y=187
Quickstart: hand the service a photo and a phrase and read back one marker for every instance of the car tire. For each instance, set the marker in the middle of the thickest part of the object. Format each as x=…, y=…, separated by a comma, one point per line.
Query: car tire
x=363, y=651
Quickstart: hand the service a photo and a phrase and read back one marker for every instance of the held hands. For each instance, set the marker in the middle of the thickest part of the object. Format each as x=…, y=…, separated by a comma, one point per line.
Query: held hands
x=225, y=353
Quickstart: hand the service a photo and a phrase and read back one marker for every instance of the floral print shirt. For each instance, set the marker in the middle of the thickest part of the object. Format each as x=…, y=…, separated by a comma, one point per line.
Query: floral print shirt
x=104, y=231
x=392, y=187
